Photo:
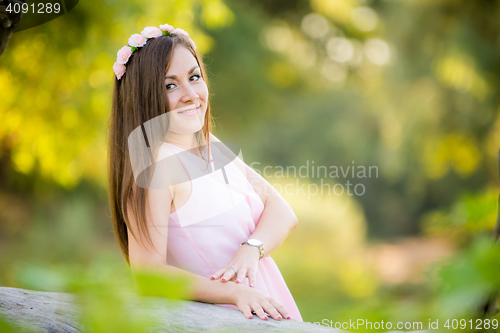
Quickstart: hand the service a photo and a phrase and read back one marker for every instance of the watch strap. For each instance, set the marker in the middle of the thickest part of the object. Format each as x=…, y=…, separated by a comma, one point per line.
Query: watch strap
x=261, y=248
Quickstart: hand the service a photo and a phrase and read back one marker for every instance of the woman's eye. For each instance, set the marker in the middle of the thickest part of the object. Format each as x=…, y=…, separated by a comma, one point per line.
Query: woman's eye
x=197, y=76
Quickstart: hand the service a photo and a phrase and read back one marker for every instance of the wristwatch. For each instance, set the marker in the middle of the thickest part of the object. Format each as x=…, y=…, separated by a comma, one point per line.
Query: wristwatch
x=256, y=243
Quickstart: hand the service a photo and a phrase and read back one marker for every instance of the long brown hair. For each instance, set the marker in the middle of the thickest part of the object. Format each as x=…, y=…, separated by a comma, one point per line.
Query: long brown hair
x=140, y=95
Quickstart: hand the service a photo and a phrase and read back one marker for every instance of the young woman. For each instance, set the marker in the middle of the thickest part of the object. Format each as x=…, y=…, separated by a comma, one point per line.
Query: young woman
x=203, y=212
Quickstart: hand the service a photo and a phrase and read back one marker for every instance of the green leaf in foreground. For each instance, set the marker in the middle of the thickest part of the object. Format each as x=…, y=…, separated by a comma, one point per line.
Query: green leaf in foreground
x=153, y=282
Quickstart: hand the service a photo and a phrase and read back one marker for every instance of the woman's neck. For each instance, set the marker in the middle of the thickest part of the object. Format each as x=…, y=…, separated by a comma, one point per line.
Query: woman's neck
x=186, y=141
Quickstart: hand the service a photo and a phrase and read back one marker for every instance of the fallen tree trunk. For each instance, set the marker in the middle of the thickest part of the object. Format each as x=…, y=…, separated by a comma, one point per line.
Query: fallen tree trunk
x=59, y=312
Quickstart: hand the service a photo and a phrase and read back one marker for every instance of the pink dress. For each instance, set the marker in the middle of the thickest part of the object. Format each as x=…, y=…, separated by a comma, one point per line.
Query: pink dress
x=221, y=213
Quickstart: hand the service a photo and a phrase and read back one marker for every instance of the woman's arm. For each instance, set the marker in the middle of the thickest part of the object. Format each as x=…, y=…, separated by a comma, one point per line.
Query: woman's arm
x=276, y=222
x=277, y=219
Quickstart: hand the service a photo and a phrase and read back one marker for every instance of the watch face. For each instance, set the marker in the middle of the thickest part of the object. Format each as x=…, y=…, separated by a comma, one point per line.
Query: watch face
x=254, y=242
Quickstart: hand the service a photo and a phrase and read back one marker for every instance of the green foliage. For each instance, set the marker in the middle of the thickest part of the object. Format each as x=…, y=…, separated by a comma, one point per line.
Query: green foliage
x=5, y=327
x=157, y=283
x=110, y=299
x=470, y=214
x=106, y=292
x=466, y=282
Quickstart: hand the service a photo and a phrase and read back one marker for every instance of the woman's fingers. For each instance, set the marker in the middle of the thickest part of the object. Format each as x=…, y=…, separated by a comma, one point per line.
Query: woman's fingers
x=225, y=273
x=218, y=274
x=259, y=311
x=271, y=310
x=247, y=311
x=249, y=299
x=228, y=275
x=242, y=273
x=251, y=277
x=281, y=309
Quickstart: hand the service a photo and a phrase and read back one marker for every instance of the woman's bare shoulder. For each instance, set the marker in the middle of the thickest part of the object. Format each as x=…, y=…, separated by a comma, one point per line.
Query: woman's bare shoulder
x=169, y=168
x=164, y=151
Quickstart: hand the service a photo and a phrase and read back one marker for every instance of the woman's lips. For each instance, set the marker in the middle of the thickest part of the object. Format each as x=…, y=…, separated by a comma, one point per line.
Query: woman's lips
x=189, y=112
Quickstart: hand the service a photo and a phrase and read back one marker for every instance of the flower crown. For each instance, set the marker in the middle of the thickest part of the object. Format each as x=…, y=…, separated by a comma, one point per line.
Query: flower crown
x=139, y=40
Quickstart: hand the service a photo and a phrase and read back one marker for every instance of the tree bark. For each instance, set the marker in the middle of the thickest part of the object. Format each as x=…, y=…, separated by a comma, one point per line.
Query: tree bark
x=59, y=312
x=8, y=22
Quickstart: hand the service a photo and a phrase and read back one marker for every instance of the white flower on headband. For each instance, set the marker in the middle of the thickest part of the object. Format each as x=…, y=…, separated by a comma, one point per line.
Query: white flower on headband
x=139, y=40
x=151, y=32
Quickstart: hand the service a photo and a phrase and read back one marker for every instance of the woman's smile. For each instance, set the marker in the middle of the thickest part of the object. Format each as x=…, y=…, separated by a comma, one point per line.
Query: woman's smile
x=190, y=110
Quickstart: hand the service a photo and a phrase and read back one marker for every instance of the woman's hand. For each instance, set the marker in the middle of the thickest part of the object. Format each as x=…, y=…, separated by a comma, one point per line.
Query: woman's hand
x=249, y=299
x=245, y=261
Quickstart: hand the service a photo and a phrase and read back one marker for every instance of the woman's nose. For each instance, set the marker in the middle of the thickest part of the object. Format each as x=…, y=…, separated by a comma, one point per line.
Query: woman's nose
x=189, y=94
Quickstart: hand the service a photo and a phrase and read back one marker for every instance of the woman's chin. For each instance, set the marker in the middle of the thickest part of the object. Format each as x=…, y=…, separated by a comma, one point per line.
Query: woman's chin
x=186, y=130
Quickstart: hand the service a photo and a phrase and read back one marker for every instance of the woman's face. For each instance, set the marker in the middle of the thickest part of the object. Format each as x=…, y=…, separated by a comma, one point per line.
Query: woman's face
x=187, y=93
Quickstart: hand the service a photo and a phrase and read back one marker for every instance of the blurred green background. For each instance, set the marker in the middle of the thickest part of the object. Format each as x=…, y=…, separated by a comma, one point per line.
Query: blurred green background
x=411, y=87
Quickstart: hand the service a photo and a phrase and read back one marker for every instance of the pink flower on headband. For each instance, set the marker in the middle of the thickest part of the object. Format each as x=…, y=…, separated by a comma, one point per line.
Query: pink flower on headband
x=119, y=70
x=166, y=27
x=137, y=40
x=123, y=55
x=179, y=31
x=151, y=32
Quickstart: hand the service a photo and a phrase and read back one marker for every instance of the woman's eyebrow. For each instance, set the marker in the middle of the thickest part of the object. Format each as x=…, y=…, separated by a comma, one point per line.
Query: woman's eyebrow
x=175, y=77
